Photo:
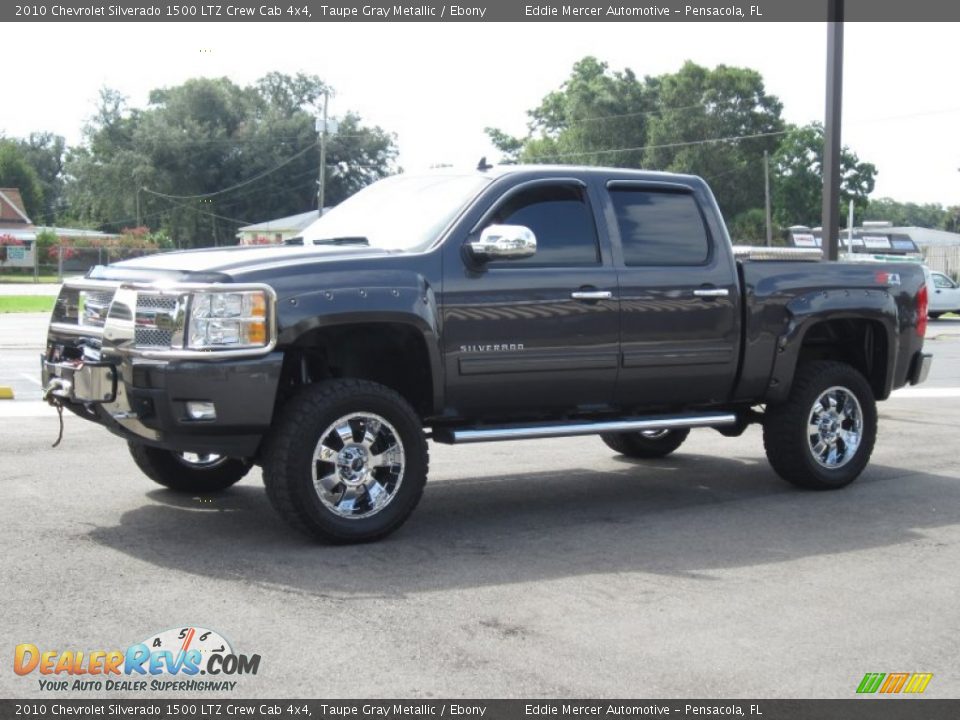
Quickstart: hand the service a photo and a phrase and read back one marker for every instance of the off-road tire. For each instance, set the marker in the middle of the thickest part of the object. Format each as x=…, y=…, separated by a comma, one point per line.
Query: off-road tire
x=166, y=468
x=299, y=431
x=787, y=438
x=638, y=445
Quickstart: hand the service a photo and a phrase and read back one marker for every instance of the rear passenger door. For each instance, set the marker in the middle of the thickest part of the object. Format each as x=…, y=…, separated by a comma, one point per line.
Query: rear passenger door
x=679, y=295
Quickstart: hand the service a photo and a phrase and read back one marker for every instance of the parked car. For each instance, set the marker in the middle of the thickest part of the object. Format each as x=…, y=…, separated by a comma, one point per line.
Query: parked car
x=496, y=304
x=944, y=293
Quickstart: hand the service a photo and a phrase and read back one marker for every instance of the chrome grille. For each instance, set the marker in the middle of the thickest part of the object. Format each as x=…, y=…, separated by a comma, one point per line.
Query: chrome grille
x=152, y=337
x=157, y=320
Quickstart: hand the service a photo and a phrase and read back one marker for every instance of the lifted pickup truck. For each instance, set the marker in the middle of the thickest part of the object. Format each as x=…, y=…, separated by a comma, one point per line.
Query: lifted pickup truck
x=497, y=304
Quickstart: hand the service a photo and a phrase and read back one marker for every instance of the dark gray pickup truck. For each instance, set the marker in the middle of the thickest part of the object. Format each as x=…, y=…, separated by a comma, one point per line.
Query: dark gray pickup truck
x=496, y=304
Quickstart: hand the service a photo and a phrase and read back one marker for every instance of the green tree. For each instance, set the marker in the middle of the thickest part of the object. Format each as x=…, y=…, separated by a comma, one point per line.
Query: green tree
x=597, y=117
x=44, y=152
x=213, y=155
x=797, y=178
x=680, y=122
x=929, y=215
x=750, y=228
x=951, y=220
x=716, y=123
x=16, y=172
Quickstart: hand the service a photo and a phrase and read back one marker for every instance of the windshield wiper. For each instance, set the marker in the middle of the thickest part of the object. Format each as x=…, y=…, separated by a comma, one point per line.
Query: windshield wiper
x=349, y=240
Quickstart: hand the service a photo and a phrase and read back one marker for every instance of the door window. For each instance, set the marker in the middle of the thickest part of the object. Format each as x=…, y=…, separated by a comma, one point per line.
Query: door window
x=660, y=227
x=942, y=282
x=561, y=220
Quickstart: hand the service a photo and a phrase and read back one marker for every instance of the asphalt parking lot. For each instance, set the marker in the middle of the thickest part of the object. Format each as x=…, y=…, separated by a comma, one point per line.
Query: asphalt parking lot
x=547, y=568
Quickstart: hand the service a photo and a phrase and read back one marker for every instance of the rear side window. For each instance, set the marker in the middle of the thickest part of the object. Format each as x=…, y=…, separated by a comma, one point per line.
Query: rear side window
x=942, y=281
x=660, y=228
x=562, y=222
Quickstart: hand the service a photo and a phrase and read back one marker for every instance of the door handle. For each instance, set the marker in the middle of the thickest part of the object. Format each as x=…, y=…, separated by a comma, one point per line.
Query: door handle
x=591, y=295
x=711, y=292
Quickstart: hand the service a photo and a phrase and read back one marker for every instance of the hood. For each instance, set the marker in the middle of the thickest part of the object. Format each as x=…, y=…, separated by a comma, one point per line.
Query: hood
x=217, y=264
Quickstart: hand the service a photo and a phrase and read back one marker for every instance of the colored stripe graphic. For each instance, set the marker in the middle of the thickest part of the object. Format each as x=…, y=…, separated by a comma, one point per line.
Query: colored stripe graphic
x=893, y=683
x=870, y=682
x=918, y=682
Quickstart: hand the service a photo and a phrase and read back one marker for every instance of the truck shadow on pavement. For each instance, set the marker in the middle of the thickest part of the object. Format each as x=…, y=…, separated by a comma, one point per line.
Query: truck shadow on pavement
x=687, y=515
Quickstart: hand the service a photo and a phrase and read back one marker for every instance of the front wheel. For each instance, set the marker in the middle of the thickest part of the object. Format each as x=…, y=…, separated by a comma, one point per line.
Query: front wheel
x=822, y=437
x=188, y=472
x=645, y=444
x=347, y=461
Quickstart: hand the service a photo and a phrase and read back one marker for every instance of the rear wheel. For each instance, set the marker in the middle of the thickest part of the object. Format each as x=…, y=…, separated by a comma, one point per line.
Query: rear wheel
x=346, y=461
x=646, y=443
x=822, y=437
x=188, y=472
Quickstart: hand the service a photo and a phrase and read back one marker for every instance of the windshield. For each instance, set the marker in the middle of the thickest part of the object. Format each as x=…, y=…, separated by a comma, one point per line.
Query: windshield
x=403, y=212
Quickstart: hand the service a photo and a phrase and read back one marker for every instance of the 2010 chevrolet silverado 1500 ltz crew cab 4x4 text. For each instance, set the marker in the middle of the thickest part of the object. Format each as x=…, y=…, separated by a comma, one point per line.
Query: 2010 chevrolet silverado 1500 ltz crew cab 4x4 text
x=496, y=304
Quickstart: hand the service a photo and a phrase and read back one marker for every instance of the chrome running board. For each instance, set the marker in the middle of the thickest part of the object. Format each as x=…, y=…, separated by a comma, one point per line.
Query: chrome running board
x=458, y=436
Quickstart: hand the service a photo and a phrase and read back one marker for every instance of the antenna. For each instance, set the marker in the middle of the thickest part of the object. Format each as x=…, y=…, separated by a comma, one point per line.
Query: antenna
x=482, y=165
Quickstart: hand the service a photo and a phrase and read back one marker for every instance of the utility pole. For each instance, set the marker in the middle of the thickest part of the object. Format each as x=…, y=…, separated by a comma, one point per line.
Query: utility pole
x=138, y=206
x=850, y=227
x=322, y=183
x=831, y=135
x=766, y=192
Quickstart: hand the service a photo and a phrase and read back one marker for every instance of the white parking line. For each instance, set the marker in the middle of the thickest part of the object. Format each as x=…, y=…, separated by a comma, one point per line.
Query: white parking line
x=31, y=378
x=926, y=392
x=28, y=409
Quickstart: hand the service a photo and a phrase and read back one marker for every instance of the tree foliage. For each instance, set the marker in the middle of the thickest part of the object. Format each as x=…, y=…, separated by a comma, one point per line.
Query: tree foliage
x=16, y=172
x=670, y=122
x=595, y=118
x=928, y=215
x=797, y=177
x=198, y=140
x=699, y=106
x=45, y=153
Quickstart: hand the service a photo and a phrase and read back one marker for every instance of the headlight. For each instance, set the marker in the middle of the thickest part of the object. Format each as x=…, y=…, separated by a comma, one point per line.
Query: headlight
x=228, y=320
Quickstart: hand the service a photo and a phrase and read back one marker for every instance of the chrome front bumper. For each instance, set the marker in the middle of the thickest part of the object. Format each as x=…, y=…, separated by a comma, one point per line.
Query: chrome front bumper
x=95, y=347
x=79, y=381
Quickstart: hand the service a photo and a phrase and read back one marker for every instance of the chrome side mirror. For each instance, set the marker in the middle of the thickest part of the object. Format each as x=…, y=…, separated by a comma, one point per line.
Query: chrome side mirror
x=504, y=242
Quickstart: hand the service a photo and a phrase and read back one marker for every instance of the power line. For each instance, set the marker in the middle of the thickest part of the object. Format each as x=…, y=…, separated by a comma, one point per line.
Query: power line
x=664, y=146
x=598, y=118
x=237, y=141
x=207, y=212
x=238, y=185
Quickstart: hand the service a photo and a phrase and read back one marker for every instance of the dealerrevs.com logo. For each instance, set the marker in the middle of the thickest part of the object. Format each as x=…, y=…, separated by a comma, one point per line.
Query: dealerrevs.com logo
x=172, y=660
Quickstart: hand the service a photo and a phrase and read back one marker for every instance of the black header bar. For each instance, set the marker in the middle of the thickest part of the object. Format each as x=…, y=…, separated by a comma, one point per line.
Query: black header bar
x=477, y=11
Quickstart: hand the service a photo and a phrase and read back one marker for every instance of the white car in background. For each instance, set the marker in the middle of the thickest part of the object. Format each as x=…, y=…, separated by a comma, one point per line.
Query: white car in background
x=943, y=292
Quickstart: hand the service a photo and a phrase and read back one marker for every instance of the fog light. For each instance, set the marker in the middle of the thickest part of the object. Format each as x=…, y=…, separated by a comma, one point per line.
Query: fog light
x=198, y=410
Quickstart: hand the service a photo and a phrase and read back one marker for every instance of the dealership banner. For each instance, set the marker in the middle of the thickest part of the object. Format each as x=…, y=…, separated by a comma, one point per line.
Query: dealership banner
x=483, y=11
x=860, y=709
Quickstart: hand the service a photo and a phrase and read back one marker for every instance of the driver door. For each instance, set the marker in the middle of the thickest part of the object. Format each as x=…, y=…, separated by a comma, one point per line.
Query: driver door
x=537, y=335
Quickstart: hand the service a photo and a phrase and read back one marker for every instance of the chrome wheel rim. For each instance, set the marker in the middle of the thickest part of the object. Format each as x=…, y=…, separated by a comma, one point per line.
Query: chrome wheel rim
x=200, y=461
x=358, y=465
x=655, y=434
x=835, y=428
